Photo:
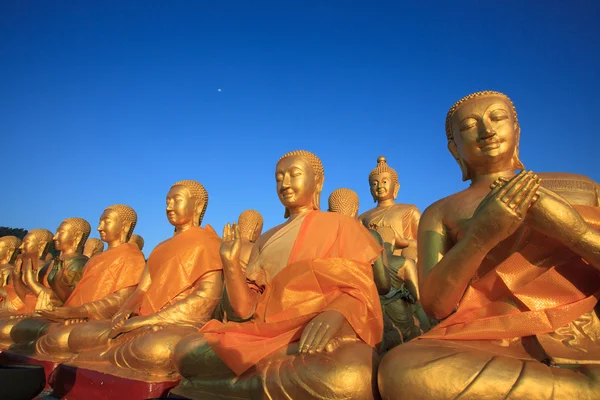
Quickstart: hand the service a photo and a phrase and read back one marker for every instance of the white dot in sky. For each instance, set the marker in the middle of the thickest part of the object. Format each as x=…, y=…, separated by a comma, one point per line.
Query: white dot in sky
x=218, y=90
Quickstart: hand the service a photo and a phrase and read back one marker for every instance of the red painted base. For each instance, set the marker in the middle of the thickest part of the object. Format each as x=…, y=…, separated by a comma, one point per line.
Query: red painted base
x=11, y=359
x=79, y=383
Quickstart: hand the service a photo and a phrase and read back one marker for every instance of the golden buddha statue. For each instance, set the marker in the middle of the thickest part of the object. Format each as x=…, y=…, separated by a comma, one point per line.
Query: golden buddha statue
x=388, y=271
x=9, y=246
x=92, y=247
x=138, y=240
x=51, y=285
x=251, y=225
x=109, y=278
x=511, y=269
x=177, y=293
x=314, y=308
x=402, y=218
x=35, y=246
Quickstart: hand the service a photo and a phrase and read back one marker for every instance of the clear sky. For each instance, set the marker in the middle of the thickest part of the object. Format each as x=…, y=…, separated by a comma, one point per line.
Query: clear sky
x=112, y=102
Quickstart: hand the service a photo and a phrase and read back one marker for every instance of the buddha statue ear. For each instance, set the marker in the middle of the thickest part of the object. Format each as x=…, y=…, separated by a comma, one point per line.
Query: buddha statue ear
x=317, y=194
x=79, y=242
x=44, y=248
x=516, y=161
x=199, y=205
x=466, y=174
x=126, y=231
x=396, y=189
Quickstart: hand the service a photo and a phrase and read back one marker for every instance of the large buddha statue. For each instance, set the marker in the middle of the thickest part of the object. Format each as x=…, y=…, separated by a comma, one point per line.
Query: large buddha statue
x=513, y=271
x=92, y=247
x=9, y=246
x=395, y=298
x=138, y=240
x=309, y=292
x=251, y=225
x=51, y=285
x=402, y=218
x=109, y=278
x=178, y=291
x=35, y=247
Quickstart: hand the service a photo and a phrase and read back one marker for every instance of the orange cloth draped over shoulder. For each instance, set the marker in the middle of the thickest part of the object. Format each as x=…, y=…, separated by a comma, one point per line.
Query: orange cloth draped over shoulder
x=536, y=290
x=329, y=268
x=108, y=272
x=177, y=263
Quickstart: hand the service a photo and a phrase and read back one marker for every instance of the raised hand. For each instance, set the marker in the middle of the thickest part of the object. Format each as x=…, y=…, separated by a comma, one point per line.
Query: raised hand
x=320, y=331
x=504, y=209
x=231, y=244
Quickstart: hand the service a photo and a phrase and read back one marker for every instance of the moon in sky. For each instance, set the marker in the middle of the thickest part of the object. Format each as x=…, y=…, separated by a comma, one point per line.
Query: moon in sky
x=218, y=90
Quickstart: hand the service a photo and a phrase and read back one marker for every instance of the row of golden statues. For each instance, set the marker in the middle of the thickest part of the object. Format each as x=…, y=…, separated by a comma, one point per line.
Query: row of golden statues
x=495, y=288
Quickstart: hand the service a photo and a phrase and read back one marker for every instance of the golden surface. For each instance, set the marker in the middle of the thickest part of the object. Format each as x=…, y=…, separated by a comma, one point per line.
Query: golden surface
x=402, y=218
x=140, y=346
x=138, y=240
x=464, y=237
x=330, y=362
x=92, y=247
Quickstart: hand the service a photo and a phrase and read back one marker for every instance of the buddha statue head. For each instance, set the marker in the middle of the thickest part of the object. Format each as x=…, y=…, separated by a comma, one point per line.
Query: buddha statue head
x=117, y=223
x=37, y=243
x=483, y=134
x=344, y=201
x=251, y=225
x=138, y=240
x=93, y=247
x=186, y=203
x=300, y=177
x=383, y=181
x=9, y=246
x=71, y=235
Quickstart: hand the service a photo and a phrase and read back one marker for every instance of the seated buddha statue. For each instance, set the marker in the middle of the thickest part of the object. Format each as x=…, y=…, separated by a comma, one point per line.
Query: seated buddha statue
x=92, y=247
x=309, y=293
x=35, y=246
x=9, y=246
x=138, y=240
x=51, y=285
x=109, y=278
x=402, y=218
x=177, y=293
x=395, y=298
x=511, y=269
x=251, y=225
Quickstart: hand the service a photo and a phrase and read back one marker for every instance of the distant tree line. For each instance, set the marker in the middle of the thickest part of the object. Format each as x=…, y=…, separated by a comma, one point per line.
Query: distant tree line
x=20, y=233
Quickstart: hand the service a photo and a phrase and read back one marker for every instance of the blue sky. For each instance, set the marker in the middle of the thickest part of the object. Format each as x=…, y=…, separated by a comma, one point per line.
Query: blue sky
x=104, y=102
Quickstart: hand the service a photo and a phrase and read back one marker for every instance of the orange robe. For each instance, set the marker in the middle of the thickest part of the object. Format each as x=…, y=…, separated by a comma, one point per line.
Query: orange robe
x=177, y=263
x=107, y=273
x=329, y=268
x=535, y=291
x=14, y=299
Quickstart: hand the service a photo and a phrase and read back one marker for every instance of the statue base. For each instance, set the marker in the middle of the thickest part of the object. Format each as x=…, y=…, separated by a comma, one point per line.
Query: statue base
x=76, y=383
x=11, y=359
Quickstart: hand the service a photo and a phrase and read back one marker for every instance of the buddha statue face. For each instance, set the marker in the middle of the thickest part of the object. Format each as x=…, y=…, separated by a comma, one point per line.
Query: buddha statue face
x=483, y=134
x=296, y=182
x=66, y=237
x=182, y=207
x=8, y=247
x=383, y=182
x=111, y=227
x=31, y=244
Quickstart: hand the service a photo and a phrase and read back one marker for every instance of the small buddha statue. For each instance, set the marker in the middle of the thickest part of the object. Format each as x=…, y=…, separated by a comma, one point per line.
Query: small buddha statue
x=251, y=225
x=9, y=246
x=138, y=240
x=512, y=271
x=402, y=218
x=92, y=247
x=177, y=293
x=51, y=285
x=109, y=278
x=309, y=292
x=395, y=298
x=35, y=246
